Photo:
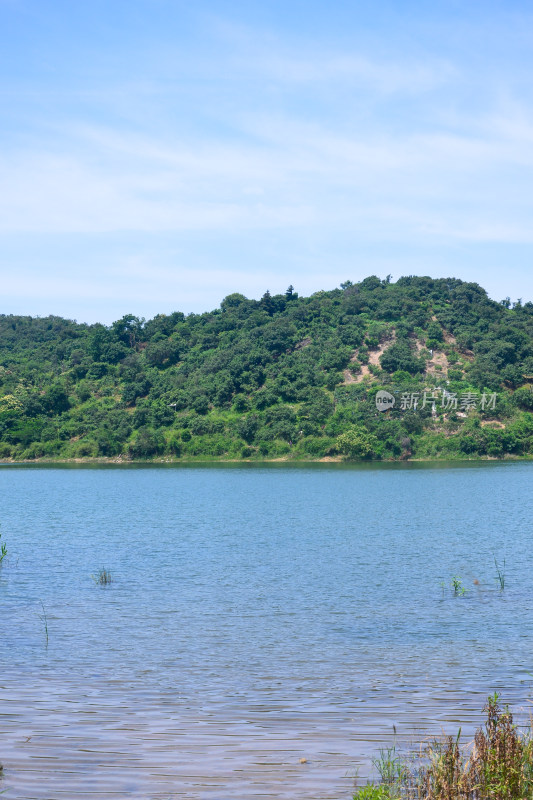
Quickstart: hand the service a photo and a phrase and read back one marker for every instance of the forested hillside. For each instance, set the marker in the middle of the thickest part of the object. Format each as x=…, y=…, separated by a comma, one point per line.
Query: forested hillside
x=284, y=376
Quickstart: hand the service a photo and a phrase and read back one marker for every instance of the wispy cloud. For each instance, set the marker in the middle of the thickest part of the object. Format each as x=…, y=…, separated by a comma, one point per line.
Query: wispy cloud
x=264, y=135
x=304, y=60
x=282, y=172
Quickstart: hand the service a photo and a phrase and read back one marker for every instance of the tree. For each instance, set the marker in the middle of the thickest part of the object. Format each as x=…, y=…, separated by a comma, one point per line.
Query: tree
x=435, y=332
x=290, y=294
x=399, y=356
x=148, y=443
x=56, y=400
x=524, y=398
x=232, y=301
x=162, y=353
x=128, y=329
x=266, y=303
x=357, y=442
x=247, y=427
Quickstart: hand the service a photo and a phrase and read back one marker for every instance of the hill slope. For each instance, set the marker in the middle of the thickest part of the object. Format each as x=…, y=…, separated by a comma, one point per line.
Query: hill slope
x=285, y=376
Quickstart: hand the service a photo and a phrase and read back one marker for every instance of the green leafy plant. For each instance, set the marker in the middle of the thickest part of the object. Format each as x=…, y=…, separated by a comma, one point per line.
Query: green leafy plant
x=457, y=586
x=373, y=791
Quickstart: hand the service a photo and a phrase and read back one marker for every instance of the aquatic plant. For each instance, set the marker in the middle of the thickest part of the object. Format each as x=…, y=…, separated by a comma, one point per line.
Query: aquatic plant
x=392, y=772
x=389, y=766
x=497, y=765
x=102, y=578
x=500, y=570
x=44, y=619
x=3, y=550
x=457, y=586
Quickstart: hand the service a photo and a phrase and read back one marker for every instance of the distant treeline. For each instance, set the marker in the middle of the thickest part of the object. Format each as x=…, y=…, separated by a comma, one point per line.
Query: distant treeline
x=283, y=376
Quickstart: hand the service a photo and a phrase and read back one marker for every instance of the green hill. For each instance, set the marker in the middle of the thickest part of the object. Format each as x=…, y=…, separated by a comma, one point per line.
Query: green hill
x=281, y=377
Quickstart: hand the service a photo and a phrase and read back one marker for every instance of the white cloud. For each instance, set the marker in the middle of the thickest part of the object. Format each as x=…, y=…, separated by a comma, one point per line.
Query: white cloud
x=387, y=77
x=312, y=61
x=282, y=172
x=255, y=166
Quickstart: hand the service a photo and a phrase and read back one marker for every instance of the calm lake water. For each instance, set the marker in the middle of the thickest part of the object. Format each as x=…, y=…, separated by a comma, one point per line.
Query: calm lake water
x=258, y=615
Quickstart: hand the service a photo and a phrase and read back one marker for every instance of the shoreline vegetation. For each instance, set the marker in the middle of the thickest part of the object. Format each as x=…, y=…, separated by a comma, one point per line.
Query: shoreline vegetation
x=496, y=765
x=417, y=370
x=508, y=458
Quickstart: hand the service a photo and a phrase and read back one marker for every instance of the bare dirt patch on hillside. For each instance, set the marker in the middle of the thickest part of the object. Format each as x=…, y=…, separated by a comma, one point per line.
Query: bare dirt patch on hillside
x=349, y=377
x=438, y=360
x=373, y=358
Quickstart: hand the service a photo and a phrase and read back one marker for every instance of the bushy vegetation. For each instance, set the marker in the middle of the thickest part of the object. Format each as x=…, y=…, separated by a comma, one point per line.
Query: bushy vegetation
x=497, y=765
x=280, y=377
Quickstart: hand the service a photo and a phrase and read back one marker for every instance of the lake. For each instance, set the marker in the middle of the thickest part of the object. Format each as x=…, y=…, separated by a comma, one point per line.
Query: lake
x=258, y=615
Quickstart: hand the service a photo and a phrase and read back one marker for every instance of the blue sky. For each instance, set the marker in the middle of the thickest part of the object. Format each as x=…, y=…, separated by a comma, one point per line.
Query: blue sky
x=156, y=155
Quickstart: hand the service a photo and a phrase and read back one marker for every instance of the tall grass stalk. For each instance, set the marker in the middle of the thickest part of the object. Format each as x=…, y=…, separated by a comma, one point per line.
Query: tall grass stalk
x=390, y=766
x=44, y=619
x=500, y=570
x=3, y=550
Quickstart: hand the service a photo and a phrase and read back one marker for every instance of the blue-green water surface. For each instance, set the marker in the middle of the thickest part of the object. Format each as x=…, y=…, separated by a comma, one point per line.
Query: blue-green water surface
x=258, y=615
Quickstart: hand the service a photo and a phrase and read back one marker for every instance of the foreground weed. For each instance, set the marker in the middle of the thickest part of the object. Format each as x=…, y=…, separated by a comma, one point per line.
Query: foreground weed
x=102, y=578
x=373, y=791
x=497, y=765
x=393, y=775
x=389, y=766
